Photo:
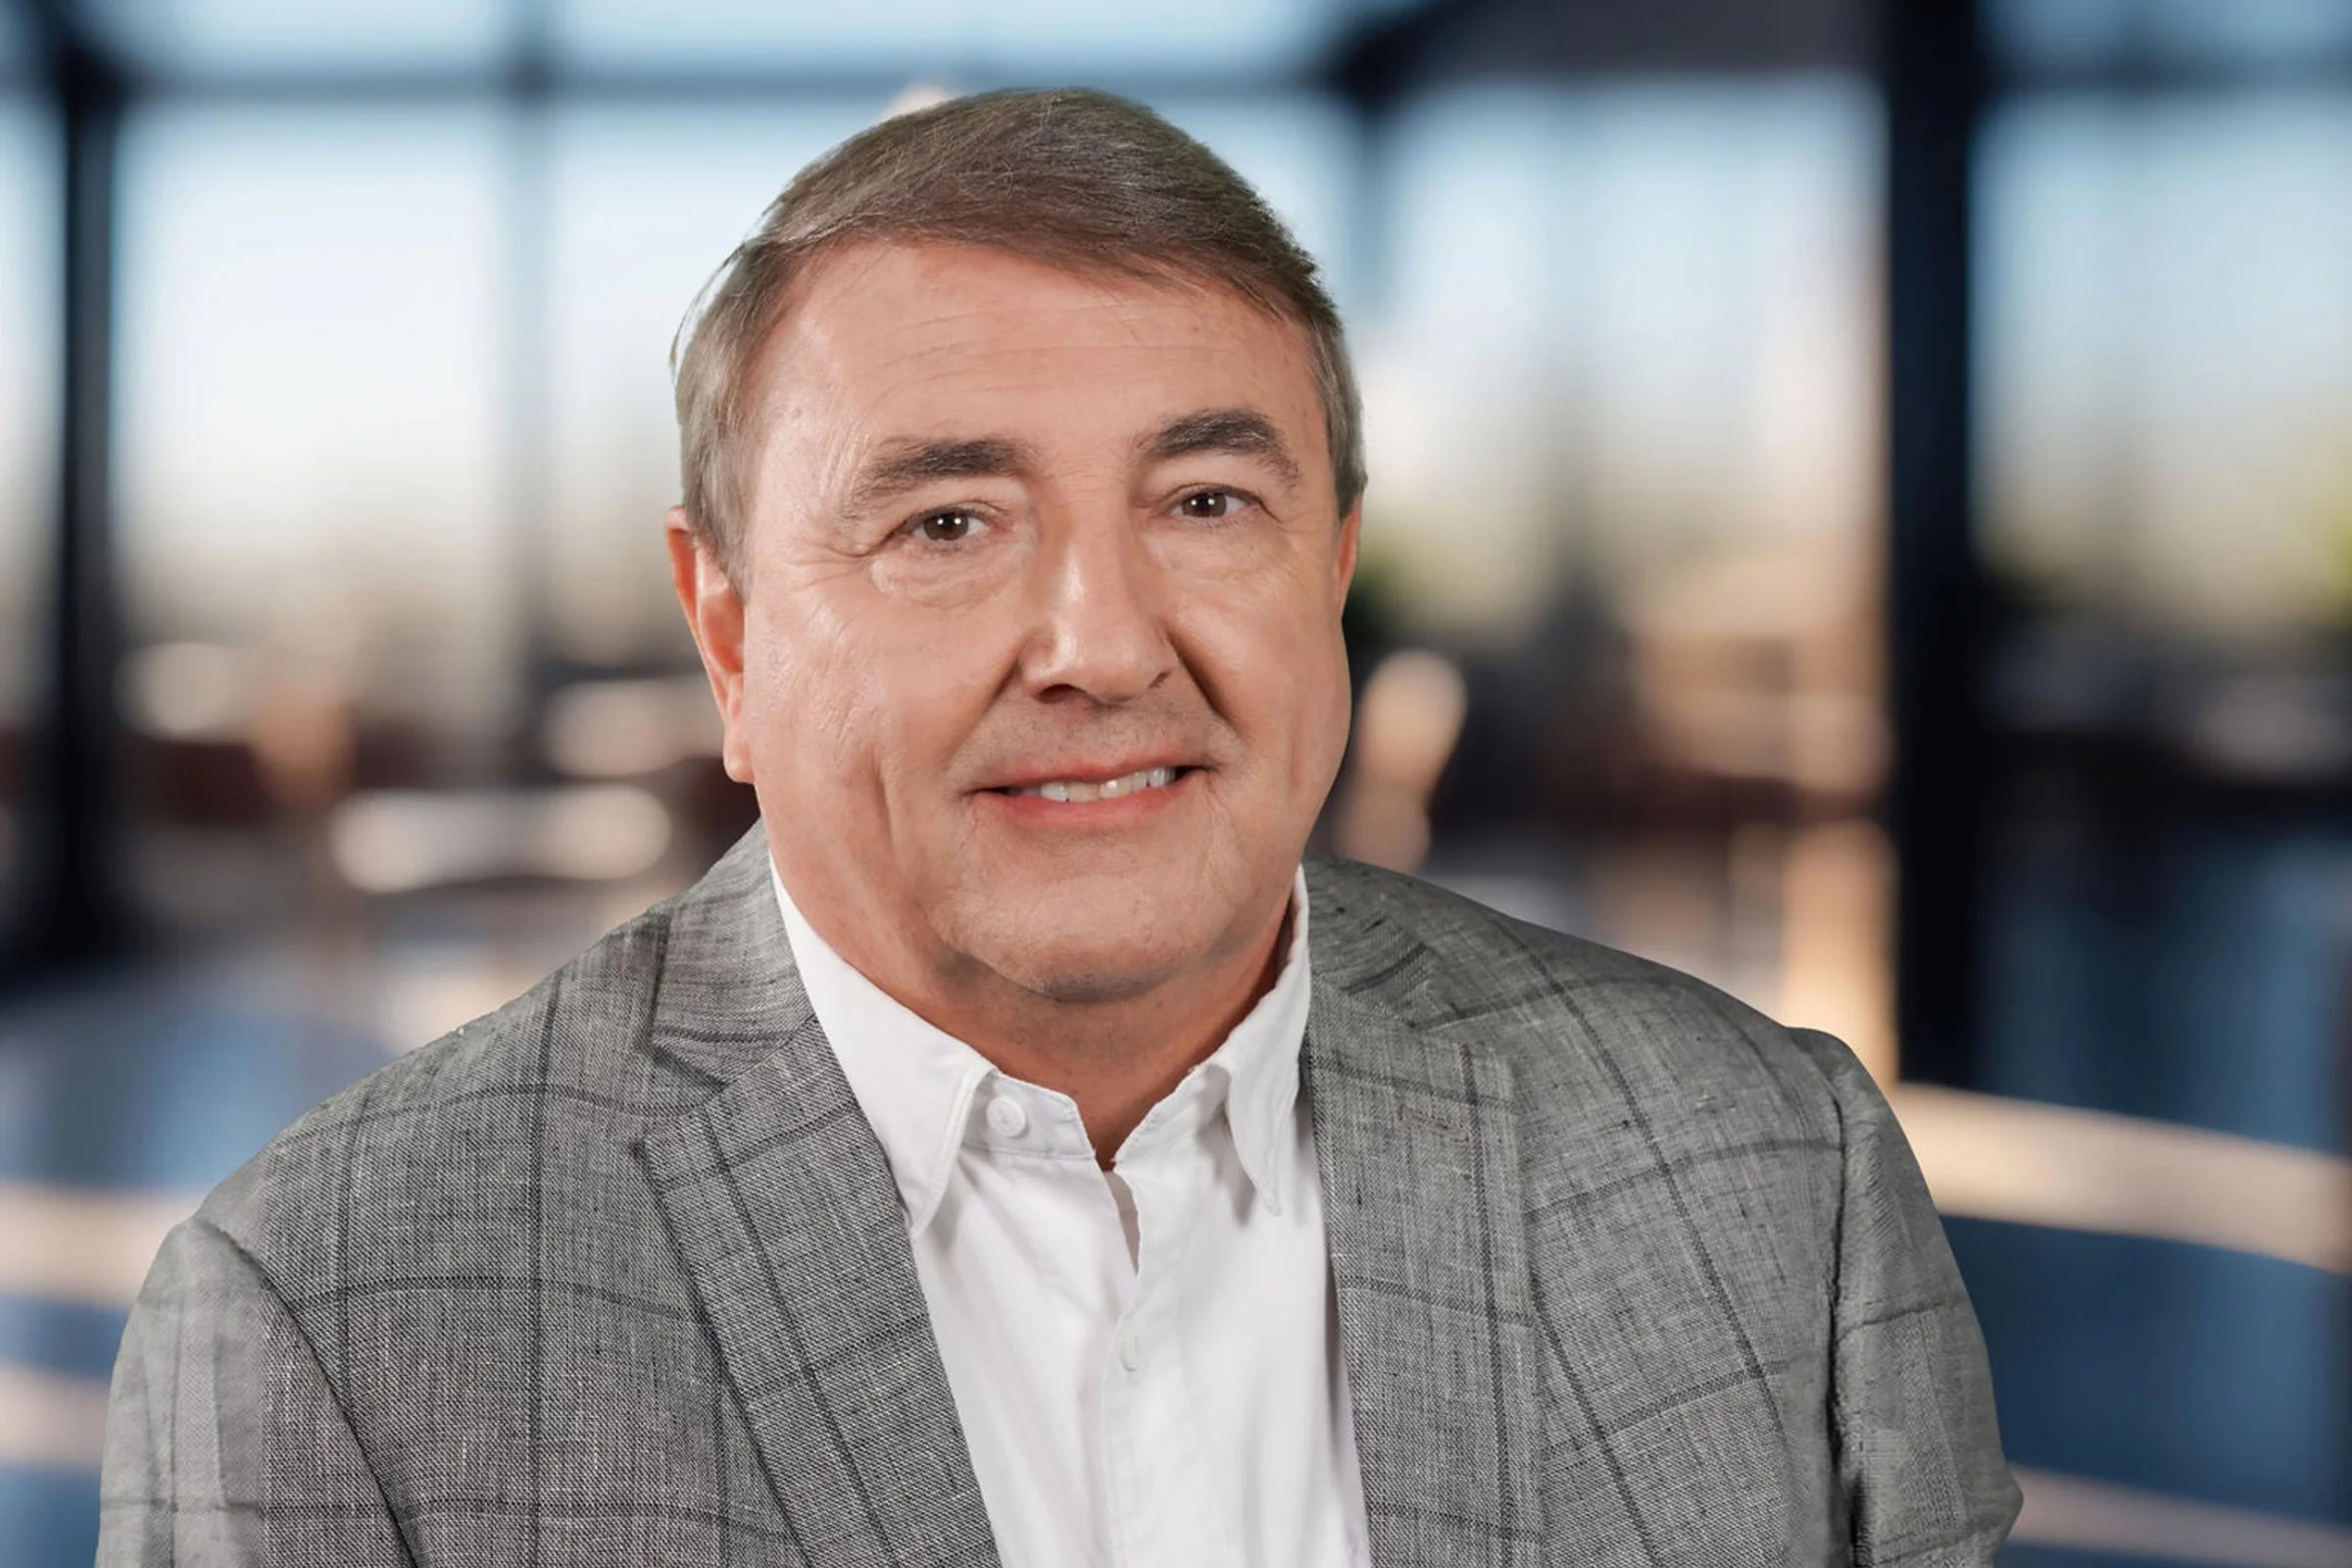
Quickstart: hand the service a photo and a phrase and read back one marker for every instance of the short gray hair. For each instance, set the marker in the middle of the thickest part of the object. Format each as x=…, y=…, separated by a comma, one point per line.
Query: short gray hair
x=1077, y=180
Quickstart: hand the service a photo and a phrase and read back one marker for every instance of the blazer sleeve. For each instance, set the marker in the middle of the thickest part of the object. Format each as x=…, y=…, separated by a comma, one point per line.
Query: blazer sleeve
x=226, y=1445
x=1918, y=1451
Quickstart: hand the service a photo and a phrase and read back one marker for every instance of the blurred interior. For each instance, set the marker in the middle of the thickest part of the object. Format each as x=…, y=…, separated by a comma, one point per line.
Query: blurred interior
x=1861, y=509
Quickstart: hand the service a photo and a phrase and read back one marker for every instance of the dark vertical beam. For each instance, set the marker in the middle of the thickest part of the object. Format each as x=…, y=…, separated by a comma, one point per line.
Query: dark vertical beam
x=74, y=907
x=1934, y=79
x=528, y=315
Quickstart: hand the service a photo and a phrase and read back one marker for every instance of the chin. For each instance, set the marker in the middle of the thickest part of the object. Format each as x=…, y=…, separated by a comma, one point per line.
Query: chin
x=1089, y=967
x=1078, y=956
x=1087, y=935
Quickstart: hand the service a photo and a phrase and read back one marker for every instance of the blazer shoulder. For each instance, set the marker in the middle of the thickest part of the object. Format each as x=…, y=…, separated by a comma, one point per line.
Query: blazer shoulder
x=1569, y=1015
x=461, y=1107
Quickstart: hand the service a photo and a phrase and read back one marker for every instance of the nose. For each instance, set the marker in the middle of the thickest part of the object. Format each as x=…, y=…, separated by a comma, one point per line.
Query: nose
x=1100, y=624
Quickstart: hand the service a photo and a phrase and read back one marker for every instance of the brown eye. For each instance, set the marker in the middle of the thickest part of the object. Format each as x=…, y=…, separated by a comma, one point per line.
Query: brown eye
x=946, y=527
x=1207, y=504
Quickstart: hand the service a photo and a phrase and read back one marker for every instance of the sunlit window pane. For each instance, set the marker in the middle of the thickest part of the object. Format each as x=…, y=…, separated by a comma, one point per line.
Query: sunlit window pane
x=985, y=37
x=1620, y=375
x=1627, y=327
x=242, y=38
x=312, y=417
x=643, y=206
x=2167, y=352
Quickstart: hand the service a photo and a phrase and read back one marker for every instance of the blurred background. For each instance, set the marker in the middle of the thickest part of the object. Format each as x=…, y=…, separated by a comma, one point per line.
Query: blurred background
x=1861, y=511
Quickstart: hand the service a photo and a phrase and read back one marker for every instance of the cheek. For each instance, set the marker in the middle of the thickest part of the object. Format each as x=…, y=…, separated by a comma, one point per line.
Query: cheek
x=871, y=697
x=1316, y=692
x=1324, y=718
x=1283, y=670
x=802, y=689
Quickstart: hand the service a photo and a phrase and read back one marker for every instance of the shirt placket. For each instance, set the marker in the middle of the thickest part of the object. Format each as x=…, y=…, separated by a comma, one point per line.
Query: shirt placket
x=1164, y=1507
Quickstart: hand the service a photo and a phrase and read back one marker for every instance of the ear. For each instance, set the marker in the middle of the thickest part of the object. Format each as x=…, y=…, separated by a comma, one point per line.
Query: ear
x=1343, y=566
x=714, y=614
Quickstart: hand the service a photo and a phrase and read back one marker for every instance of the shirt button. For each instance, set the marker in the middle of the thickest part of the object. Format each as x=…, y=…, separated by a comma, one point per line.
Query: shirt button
x=1006, y=1119
x=1131, y=1347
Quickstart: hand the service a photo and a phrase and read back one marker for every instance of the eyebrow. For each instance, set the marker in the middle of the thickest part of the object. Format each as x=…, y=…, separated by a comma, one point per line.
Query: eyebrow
x=902, y=465
x=905, y=463
x=1243, y=431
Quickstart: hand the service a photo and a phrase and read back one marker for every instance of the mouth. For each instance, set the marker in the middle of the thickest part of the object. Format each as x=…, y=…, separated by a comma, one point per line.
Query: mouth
x=1075, y=791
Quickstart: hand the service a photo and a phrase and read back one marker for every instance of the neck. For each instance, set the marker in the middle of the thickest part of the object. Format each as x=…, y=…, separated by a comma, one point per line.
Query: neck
x=1118, y=1059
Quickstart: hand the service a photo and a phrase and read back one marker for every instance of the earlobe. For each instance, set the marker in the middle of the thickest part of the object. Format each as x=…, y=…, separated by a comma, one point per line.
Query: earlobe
x=713, y=613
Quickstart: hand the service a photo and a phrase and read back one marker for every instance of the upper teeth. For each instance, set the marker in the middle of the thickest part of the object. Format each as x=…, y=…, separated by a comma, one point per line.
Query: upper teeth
x=1109, y=789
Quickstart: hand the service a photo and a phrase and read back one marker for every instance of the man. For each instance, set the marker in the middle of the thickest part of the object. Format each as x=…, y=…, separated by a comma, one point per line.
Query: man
x=1005, y=1152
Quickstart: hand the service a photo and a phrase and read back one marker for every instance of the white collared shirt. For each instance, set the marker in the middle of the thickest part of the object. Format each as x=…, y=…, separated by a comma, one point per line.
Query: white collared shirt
x=1145, y=1362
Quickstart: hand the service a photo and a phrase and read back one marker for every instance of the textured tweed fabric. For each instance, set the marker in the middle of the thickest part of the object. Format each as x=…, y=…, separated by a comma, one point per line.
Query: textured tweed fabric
x=1627, y=1274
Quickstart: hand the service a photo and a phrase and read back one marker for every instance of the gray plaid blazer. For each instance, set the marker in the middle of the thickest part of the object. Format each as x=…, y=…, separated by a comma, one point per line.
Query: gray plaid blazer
x=1626, y=1272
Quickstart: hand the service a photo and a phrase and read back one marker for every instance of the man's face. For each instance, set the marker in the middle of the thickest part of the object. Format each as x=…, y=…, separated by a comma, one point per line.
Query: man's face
x=1041, y=677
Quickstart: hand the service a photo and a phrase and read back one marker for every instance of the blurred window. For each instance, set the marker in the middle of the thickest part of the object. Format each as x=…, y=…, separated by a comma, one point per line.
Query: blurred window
x=2242, y=35
x=644, y=203
x=2166, y=342
x=1620, y=383
x=16, y=46
x=1042, y=38
x=29, y=359
x=310, y=366
x=305, y=37
x=1626, y=329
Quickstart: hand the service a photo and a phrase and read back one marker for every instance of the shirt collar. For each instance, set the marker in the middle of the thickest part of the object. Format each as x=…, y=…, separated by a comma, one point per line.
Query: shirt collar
x=915, y=1083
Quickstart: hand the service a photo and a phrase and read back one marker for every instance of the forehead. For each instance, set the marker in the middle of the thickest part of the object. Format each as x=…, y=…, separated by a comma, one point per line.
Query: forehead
x=892, y=338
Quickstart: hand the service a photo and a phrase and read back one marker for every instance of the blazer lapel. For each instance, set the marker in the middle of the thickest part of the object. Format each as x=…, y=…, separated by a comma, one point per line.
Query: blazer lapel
x=1416, y=1144
x=781, y=1206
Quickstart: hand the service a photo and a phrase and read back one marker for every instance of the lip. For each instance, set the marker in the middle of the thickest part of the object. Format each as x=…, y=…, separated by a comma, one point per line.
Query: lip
x=1093, y=770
